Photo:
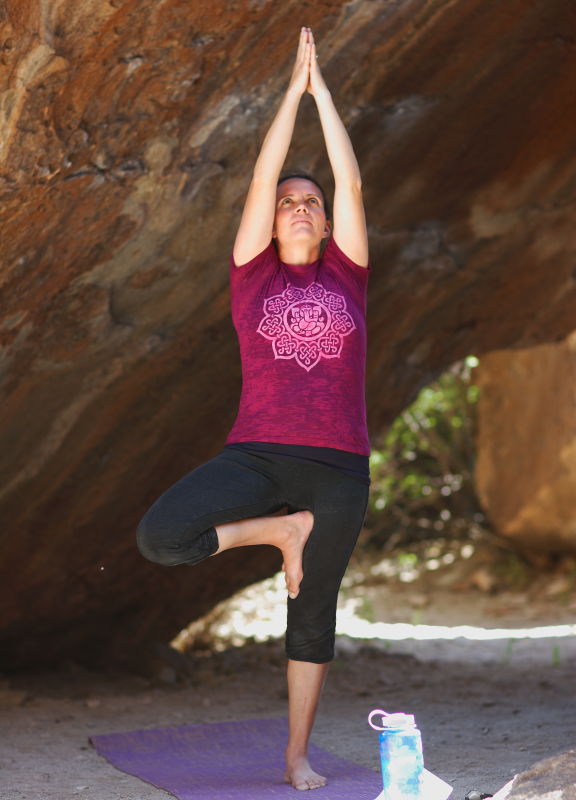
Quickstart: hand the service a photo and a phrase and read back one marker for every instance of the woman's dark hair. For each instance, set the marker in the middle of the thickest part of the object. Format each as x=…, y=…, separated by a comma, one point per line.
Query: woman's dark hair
x=286, y=176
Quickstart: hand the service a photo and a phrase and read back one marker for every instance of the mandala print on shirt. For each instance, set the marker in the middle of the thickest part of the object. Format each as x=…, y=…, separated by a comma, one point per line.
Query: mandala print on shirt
x=306, y=324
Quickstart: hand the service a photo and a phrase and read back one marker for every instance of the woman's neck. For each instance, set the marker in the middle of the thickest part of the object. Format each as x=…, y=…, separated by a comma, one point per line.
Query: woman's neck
x=298, y=252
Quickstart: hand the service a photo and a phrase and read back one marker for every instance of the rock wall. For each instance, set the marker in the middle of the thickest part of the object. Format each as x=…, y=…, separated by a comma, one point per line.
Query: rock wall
x=128, y=130
x=526, y=467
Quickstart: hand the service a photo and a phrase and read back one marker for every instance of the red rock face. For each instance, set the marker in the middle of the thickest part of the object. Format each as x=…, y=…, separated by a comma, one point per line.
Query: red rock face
x=128, y=134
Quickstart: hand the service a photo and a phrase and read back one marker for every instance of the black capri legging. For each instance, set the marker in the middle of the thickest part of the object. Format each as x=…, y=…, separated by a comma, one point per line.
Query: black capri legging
x=237, y=484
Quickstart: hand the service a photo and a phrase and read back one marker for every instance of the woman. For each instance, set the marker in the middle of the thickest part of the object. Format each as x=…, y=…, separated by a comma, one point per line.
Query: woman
x=299, y=443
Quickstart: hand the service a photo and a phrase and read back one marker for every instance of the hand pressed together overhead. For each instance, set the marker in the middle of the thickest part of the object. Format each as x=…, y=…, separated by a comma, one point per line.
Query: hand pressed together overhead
x=306, y=75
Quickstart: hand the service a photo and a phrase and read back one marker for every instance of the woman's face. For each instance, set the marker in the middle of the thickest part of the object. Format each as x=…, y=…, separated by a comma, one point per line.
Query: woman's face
x=300, y=212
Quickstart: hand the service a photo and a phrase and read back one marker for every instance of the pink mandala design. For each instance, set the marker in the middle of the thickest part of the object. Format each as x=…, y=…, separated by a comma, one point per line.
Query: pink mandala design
x=306, y=324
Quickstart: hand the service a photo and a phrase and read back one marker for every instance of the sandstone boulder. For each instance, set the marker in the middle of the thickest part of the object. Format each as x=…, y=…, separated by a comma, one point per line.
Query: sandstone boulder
x=550, y=779
x=526, y=465
x=128, y=131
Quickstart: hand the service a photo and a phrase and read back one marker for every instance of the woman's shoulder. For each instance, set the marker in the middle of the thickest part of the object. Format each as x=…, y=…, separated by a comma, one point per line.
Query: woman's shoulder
x=266, y=256
x=333, y=255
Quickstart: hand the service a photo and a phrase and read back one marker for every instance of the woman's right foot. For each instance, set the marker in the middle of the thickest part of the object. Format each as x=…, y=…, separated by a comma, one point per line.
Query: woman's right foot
x=296, y=530
x=301, y=775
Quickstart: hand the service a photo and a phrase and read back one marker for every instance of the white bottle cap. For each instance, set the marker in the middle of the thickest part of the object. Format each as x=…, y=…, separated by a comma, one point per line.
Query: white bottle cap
x=391, y=720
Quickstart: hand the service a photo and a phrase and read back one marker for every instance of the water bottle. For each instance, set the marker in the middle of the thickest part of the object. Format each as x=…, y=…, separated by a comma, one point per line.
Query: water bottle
x=400, y=756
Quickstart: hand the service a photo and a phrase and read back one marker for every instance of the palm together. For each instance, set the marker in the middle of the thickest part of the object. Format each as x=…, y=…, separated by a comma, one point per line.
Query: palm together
x=306, y=75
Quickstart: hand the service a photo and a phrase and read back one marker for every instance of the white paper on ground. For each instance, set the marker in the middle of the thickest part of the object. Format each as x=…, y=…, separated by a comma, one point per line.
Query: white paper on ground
x=433, y=788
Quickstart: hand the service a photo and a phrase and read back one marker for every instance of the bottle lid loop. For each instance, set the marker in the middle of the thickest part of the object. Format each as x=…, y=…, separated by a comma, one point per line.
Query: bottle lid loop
x=391, y=720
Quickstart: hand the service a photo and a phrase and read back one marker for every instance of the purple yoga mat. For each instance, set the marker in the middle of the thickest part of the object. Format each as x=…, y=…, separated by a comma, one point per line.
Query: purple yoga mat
x=229, y=761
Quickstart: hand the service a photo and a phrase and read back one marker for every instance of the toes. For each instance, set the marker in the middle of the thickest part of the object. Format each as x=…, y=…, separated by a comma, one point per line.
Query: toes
x=288, y=582
x=304, y=783
x=310, y=783
x=293, y=585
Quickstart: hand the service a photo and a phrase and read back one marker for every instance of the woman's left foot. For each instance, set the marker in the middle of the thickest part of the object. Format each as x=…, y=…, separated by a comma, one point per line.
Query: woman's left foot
x=301, y=775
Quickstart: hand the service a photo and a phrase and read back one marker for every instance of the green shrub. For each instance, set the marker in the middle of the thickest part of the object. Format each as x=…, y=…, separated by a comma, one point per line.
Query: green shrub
x=422, y=469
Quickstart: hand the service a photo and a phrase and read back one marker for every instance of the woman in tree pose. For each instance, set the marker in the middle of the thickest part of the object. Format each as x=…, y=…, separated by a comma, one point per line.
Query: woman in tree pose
x=294, y=469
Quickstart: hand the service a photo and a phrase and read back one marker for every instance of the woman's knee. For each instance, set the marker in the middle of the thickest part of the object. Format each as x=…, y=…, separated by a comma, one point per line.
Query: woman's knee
x=169, y=544
x=152, y=542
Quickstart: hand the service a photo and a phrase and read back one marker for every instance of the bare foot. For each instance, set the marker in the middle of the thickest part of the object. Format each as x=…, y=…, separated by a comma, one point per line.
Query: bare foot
x=297, y=530
x=289, y=533
x=301, y=775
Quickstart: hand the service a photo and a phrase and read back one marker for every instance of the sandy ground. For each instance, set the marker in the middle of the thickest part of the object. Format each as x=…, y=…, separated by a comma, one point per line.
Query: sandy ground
x=487, y=708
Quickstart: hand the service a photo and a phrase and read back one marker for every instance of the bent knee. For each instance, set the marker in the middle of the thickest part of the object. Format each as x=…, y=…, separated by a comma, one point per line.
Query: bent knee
x=153, y=544
x=170, y=545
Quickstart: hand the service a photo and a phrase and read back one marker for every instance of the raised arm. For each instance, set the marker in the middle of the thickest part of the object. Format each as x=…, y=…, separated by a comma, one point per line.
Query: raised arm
x=255, y=230
x=349, y=225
